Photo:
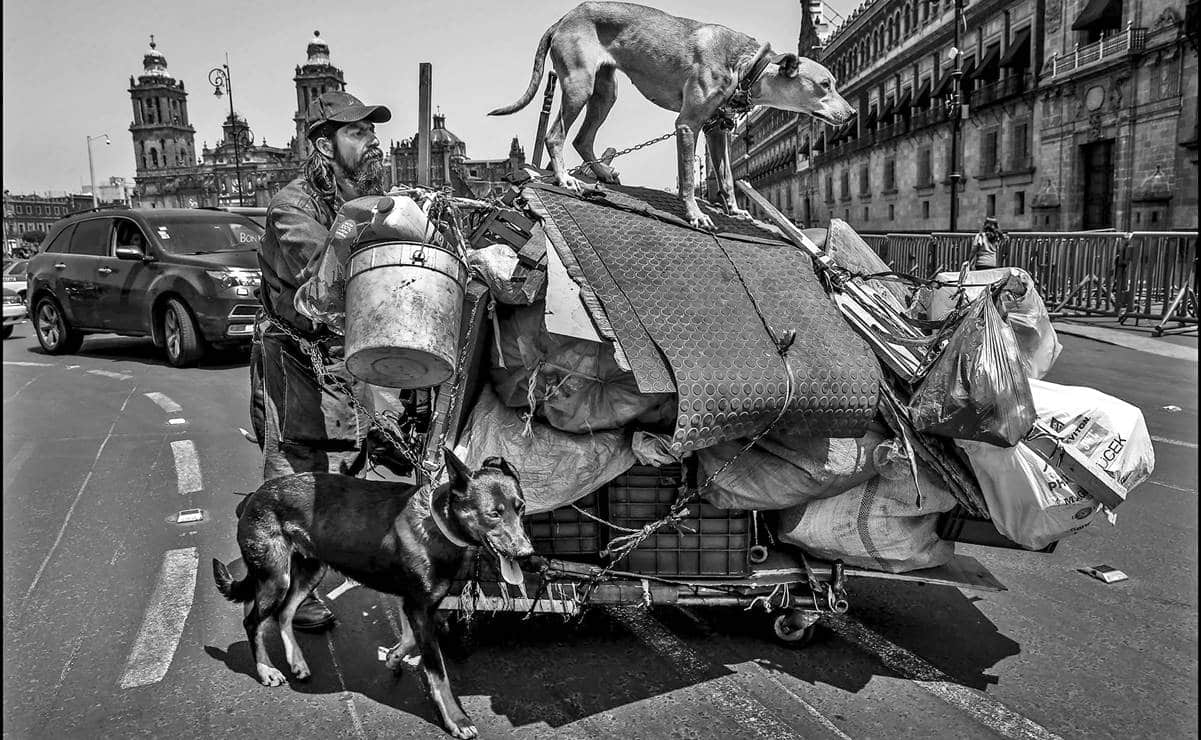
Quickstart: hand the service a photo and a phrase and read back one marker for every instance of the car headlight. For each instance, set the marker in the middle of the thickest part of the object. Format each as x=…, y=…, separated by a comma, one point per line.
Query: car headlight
x=235, y=276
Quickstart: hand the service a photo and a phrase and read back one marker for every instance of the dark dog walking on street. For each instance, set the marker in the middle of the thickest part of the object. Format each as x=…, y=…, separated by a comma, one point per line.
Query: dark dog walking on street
x=394, y=538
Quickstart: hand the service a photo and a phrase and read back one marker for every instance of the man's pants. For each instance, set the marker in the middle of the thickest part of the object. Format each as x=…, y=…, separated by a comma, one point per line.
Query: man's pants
x=304, y=425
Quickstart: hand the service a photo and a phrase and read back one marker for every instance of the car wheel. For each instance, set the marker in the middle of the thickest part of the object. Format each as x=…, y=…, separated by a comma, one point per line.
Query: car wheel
x=184, y=346
x=54, y=334
x=7, y=332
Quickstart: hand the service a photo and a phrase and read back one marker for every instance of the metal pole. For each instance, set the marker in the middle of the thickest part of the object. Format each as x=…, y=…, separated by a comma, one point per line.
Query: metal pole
x=425, y=74
x=92, y=175
x=956, y=106
x=233, y=119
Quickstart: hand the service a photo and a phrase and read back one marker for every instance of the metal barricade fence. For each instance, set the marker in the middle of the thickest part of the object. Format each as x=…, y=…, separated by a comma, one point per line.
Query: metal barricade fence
x=1160, y=266
x=1139, y=275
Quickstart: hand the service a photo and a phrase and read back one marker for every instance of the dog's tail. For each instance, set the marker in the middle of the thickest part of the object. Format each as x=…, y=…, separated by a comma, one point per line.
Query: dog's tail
x=237, y=591
x=535, y=77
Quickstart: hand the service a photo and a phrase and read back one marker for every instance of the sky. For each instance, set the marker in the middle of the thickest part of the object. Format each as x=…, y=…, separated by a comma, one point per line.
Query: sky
x=67, y=63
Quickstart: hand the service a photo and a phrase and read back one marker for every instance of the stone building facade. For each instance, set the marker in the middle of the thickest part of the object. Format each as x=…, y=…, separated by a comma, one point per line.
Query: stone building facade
x=170, y=173
x=29, y=215
x=1034, y=153
x=450, y=165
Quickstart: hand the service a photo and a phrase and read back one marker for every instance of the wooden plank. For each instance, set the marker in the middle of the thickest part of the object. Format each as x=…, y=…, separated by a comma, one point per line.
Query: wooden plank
x=425, y=84
x=1075, y=466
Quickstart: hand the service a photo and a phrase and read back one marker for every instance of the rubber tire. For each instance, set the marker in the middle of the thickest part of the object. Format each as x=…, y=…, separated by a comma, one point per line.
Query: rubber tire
x=796, y=639
x=68, y=340
x=8, y=332
x=189, y=347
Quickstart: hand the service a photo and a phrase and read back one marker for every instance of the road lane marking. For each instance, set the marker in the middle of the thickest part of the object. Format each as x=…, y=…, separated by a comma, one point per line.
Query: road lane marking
x=158, y=637
x=1172, y=487
x=726, y=696
x=28, y=364
x=165, y=403
x=13, y=467
x=347, y=697
x=177, y=421
x=18, y=392
x=187, y=466
x=1177, y=442
x=78, y=494
x=986, y=710
x=110, y=374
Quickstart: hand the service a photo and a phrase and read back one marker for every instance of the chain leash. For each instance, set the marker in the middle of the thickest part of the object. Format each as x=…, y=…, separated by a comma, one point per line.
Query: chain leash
x=649, y=142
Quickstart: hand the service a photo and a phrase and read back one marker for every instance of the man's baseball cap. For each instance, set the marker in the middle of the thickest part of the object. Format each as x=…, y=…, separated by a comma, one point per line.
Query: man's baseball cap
x=990, y=221
x=342, y=107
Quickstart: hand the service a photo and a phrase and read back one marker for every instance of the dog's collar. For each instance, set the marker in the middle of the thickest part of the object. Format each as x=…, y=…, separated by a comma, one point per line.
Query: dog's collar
x=440, y=521
x=739, y=102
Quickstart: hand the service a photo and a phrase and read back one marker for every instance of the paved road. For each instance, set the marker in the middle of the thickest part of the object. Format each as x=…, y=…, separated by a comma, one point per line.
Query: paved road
x=113, y=629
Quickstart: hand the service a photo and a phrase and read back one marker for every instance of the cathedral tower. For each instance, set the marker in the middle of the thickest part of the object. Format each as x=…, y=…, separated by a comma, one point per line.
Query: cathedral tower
x=314, y=78
x=163, y=137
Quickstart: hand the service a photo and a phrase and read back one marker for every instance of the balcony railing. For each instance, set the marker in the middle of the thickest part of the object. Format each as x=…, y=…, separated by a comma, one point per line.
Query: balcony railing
x=1132, y=40
x=1002, y=89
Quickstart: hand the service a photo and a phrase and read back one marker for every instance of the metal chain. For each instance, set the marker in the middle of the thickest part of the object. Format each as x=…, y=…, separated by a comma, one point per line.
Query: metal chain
x=577, y=170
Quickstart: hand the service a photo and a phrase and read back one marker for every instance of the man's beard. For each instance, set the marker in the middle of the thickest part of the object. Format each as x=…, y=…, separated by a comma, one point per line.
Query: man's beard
x=368, y=177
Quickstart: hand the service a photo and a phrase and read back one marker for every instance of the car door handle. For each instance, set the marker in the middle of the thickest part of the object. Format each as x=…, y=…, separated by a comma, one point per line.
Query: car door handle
x=104, y=270
x=60, y=266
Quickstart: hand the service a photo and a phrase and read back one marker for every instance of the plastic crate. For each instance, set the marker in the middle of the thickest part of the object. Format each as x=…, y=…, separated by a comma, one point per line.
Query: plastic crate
x=718, y=545
x=565, y=531
x=959, y=526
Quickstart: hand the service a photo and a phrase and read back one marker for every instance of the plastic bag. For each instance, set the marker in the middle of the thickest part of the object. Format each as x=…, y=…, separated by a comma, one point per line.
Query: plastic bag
x=876, y=525
x=1022, y=306
x=1028, y=501
x=495, y=265
x=977, y=388
x=555, y=468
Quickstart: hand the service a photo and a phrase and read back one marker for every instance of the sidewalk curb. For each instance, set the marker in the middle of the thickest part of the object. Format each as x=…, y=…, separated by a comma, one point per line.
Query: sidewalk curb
x=1120, y=339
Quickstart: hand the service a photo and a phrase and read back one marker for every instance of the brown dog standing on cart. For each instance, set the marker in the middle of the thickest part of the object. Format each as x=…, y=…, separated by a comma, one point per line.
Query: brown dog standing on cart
x=679, y=64
x=390, y=537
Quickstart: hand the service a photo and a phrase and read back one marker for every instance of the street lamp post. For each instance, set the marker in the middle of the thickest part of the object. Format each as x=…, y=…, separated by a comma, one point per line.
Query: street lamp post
x=955, y=106
x=219, y=78
x=92, y=168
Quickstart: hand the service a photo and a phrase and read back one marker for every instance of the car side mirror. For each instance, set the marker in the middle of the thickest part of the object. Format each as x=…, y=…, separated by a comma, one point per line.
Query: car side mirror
x=130, y=252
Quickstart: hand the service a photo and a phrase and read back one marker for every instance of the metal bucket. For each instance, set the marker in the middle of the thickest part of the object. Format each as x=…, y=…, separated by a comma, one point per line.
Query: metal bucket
x=404, y=304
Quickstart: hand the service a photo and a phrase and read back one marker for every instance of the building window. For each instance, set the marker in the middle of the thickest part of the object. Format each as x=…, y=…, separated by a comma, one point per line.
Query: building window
x=925, y=209
x=1019, y=203
x=865, y=214
x=992, y=205
x=892, y=212
x=829, y=188
x=845, y=190
x=988, y=152
x=1020, y=146
x=890, y=175
x=865, y=186
x=925, y=167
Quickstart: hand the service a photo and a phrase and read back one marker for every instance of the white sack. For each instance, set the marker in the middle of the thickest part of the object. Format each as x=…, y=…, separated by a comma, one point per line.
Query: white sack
x=876, y=525
x=781, y=472
x=555, y=468
x=1028, y=501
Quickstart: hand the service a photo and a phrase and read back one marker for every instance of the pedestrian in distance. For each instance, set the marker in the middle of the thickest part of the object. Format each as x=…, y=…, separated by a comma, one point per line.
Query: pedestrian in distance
x=303, y=422
x=986, y=245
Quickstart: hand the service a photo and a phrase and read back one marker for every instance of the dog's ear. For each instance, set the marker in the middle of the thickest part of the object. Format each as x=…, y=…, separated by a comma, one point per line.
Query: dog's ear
x=790, y=64
x=456, y=468
x=503, y=466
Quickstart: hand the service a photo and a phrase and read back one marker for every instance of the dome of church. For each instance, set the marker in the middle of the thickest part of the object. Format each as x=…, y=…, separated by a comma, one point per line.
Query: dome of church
x=318, y=50
x=154, y=62
x=440, y=135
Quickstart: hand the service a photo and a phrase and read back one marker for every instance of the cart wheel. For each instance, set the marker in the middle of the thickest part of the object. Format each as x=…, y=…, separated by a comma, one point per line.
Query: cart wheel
x=782, y=626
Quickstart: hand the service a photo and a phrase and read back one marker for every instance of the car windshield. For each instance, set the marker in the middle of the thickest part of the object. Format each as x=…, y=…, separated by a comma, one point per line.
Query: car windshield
x=204, y=232
x=16, y=269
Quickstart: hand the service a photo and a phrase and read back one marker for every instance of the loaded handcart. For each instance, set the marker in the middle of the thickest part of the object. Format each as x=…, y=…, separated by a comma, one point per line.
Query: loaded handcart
x=749, y=417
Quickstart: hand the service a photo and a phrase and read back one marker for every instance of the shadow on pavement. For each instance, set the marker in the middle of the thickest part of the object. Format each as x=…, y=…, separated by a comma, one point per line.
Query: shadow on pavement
x=137, y=349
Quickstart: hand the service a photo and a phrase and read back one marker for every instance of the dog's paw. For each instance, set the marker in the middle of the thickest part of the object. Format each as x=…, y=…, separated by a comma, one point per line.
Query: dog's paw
x=739, y=213
x=300, y=670
x=700, y=220
x=463, y=729
x=570, y=183
x=269, y=675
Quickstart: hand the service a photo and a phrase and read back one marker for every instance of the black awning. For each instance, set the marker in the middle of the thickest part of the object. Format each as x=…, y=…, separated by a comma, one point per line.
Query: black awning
x=904, y=103
x=886, y=113
x=923, y=93
x=1104, y=13
x=969, y=67
x=990, y=59
x=1019, y=50
x=944, y=84
x=872, y=116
